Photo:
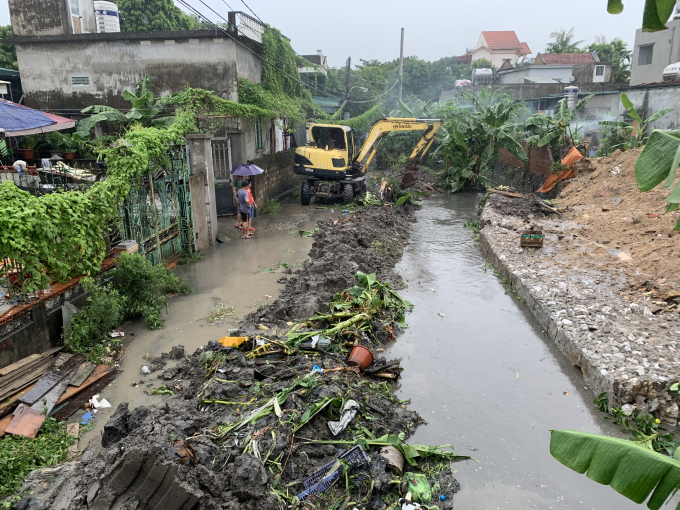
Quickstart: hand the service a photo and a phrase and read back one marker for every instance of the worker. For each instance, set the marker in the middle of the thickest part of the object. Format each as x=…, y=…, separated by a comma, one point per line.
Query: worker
x=244, y=208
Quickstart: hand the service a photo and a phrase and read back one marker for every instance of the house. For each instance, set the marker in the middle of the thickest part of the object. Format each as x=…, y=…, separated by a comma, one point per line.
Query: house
x=559, y=68
x=654, y=51
x=499, y=47
x=320, y=62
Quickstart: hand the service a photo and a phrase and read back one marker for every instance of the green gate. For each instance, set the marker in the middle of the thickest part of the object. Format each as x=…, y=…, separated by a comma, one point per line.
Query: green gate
x=157, y=212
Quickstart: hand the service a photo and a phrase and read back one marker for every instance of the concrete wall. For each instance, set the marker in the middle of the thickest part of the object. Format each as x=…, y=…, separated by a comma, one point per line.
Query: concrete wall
x=39, y=17
x=666, y=51
x=649, y=100
x=525, y=91
x=585, y=73
x=554, y=72
x=278, y=178
x=118, y=61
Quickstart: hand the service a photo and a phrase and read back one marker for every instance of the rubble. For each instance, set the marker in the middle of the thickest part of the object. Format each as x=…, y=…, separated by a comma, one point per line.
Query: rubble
x=597, y=312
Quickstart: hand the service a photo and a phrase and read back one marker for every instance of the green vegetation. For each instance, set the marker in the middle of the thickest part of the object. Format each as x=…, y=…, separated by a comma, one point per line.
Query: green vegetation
x=637, y=134
x=206, y=102
x=142, y=292
x=563, y=42
x=152, y=15
x=8, y=53
x=271, y=207
x=613, y=138
x=20, y=455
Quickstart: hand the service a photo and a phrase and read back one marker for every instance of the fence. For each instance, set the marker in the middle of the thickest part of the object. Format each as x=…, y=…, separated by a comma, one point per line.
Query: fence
x=157, y=212
x=222, y=165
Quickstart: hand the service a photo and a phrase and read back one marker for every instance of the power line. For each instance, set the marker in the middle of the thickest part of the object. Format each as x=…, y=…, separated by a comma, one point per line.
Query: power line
x=217, y=27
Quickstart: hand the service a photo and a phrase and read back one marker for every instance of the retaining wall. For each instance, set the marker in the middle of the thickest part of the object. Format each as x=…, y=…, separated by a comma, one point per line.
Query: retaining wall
x=279, y=176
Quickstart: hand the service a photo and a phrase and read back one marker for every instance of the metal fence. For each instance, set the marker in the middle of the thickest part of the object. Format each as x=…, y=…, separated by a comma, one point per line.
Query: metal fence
x=222, y=165
x=157, y=212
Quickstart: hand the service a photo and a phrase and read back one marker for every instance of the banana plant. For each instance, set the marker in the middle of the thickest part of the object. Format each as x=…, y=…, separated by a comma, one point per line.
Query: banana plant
x=547, y=130
x=638, y=138
x=654, y=17
x=144, y=110
x=630, y=468
x=658, y=162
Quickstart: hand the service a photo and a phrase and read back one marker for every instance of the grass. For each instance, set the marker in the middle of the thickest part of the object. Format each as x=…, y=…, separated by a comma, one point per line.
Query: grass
x=270, y=207
x=21, y=455
x=220, y=311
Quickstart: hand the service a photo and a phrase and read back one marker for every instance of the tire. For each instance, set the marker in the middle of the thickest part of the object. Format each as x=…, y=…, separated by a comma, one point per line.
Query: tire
x=305, y=194
x=347, y=194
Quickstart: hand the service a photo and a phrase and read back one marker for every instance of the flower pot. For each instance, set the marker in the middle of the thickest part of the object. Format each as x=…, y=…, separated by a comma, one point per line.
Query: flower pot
x=26, y=153
x=360, y=357
x=70, y=155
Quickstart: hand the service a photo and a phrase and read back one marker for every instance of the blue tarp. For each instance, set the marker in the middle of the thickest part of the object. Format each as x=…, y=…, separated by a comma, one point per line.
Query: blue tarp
x=14, y=117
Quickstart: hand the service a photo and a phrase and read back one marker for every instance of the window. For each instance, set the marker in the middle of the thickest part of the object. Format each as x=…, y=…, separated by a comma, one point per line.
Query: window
x=645, y=53
x=258, y=135
x=599, y=70
x=80, y=81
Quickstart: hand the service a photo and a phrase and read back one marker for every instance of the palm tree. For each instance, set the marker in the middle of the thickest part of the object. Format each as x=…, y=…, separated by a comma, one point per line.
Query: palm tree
x=617, y=53
x=563, y=42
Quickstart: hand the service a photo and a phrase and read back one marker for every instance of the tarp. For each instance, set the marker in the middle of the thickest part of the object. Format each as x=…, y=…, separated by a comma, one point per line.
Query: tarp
x=569, y=171
x=19, y=120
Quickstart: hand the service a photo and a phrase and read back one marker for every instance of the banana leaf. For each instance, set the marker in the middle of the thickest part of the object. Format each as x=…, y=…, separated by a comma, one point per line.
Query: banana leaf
x=658, y=160
x=631, y=470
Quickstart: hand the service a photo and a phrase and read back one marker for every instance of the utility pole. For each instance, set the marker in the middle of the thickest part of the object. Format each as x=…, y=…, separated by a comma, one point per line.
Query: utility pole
x=401, y=62
x=349, y=63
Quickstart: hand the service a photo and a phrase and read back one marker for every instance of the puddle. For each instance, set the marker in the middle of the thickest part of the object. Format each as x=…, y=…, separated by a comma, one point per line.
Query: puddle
x=484, y=376
x=232, y=273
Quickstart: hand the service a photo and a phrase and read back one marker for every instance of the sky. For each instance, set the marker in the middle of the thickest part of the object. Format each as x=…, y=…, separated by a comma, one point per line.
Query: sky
x=370, y=29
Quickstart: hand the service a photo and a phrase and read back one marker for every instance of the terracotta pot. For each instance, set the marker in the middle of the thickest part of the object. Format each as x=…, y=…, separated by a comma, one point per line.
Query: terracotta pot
x=26, y=153
x=70, y=155
x=360, y=357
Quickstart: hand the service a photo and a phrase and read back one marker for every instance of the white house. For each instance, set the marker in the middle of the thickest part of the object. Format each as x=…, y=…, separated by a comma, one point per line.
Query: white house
x=500, y=47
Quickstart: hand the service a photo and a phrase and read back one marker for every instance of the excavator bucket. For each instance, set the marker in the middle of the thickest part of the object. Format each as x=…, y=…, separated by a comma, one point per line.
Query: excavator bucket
x=409, y=178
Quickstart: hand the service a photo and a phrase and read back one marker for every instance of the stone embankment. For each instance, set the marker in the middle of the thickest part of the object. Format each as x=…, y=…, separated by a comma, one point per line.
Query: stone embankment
x=591, y=305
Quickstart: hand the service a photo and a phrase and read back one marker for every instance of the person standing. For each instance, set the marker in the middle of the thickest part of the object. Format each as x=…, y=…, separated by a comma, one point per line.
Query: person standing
x=236, y=184
x=244, y=208
x=253, y=206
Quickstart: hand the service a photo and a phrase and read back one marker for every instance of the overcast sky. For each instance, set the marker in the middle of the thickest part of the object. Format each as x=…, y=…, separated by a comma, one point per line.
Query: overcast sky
x=369, y=29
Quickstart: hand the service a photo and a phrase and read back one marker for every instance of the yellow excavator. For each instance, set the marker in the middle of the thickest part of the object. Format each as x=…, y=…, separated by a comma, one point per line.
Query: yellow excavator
x=331, y=166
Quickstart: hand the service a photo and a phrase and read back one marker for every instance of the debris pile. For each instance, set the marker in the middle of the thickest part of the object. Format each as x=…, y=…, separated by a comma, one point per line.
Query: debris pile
x=370, y=239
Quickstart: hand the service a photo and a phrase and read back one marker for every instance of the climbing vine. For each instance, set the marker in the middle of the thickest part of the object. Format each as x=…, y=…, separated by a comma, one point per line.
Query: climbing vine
x=206, y=102
x=361, y=123
x=61, y=235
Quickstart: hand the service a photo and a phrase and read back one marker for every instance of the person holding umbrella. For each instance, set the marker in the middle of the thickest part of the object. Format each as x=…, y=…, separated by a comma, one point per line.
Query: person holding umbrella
x=245, y=170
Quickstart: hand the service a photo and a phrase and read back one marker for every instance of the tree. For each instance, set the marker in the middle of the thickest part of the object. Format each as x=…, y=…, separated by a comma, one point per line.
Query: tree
x=8, y=53
x=563, y=42
x=617, y=53
x=152, y=15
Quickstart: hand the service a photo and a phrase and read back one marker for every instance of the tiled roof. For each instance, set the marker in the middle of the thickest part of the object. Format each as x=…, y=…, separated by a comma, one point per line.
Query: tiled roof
x=524, y=49
x=502, y=40
x=465, y=58
x=556, y=59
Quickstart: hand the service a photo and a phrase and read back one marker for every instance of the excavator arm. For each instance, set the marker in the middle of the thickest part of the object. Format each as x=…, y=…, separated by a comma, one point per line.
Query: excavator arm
x=384, y=126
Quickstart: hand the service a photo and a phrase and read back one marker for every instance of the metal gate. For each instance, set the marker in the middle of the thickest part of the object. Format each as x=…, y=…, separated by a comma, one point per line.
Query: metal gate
x=157, y=212
x=224, y=195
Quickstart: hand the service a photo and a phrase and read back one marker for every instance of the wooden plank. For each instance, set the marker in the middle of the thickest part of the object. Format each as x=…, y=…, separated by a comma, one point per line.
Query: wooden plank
x=83, y=373
x=52, y=377
x=86, y=394
x=33, y=357
x=3, y=424
x=97, y=374
x=26, y=422
x=506, y=193
x=40, y=364
x=20, y=384
x=8, y=405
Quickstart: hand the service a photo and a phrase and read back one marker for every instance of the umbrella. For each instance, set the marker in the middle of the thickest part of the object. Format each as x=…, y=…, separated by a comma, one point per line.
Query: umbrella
x=247, y=169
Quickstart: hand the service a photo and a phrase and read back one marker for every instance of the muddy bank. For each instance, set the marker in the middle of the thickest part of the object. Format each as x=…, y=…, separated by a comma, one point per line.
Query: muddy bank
x=369, y=240
x=580, y=293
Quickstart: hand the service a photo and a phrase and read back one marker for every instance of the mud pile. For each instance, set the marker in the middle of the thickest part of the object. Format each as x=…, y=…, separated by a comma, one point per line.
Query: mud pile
x=386, y=183
x=370, y=239
x=189, y=452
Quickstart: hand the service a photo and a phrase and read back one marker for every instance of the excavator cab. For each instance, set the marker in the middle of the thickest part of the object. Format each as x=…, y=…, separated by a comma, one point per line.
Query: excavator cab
x=335, y=170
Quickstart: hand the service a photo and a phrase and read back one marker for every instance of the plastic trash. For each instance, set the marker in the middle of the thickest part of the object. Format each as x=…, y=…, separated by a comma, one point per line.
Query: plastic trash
x=232, y=341
x=405, y=504
x=418, y=485
x=442, y=498
x=86, y=418
x=349, y=411
x=327, y=475
x=317, y=369
x=317, y=342
x=394, y=458
x=99, y=404
x=145, y=370
x=116, y=334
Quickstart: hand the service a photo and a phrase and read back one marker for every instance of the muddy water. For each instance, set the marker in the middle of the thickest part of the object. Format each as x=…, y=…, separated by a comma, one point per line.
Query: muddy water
x=234, y=273
x=484, y=376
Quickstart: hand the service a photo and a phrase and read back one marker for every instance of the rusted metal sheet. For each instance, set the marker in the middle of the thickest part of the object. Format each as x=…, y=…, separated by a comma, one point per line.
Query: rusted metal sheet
x=26, y=422
x=23, y=362
x=52, y=377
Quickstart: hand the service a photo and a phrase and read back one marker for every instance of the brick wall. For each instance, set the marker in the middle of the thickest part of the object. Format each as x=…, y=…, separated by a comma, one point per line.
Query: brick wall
x=540, y=159
x=278, y=178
